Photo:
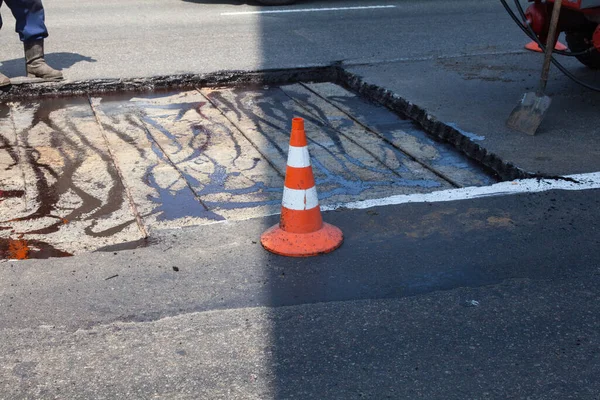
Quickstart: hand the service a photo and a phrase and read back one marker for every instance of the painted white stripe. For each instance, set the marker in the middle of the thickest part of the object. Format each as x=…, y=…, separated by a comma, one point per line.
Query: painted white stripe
x=304, y=10
x=295, y=199
x=584, y=182
x=298, y=157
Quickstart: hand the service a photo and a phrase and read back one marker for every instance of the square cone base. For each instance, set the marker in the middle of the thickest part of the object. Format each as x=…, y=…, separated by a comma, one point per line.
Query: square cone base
x=323, y=241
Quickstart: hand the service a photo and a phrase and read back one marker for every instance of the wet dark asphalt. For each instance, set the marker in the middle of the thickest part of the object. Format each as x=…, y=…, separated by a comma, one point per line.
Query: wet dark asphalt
x=389, y=252
x=488, y=298
x=533, y=334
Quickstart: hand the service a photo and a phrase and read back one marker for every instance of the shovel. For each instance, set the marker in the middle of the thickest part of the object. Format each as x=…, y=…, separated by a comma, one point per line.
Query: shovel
x=529, y=113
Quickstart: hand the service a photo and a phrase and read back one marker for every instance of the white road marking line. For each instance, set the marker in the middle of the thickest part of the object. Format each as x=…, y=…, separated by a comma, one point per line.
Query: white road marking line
x=304, y=10
x=584, y=182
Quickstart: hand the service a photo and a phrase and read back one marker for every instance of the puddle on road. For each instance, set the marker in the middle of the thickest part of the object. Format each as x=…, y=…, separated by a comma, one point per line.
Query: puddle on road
x=81, y=174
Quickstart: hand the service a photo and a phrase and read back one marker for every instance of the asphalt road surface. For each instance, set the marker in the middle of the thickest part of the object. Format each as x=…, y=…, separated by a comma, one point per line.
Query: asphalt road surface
x=483, y=299
x=488, y=298
x=140, y=38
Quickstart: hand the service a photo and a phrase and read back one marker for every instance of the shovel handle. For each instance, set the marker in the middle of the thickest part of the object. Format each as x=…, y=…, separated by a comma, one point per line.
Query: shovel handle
x=550, y=42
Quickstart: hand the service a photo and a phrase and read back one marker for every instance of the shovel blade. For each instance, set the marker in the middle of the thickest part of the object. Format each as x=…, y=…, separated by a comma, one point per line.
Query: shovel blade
x=529, y=113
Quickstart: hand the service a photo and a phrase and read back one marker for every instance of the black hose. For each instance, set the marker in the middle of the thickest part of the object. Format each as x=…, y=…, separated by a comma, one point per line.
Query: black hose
x=529, y=32
x=514, y=17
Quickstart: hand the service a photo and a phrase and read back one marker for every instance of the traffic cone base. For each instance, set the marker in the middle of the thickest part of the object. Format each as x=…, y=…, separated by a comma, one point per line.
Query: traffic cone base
x=533, y=46
x=289, y=244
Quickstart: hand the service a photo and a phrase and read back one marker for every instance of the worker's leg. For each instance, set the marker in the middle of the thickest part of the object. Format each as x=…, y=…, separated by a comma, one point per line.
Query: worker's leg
x=31, y=28
x=4, y=81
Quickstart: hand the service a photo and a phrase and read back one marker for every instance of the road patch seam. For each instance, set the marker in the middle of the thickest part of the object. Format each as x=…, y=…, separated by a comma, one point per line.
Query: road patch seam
x=334, y=73
x=138, y=218
x=432, y=126
x=386, y=140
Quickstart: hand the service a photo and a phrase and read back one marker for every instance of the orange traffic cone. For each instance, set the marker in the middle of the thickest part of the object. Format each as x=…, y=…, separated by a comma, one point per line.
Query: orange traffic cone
x=533, y=46
x=301, y=231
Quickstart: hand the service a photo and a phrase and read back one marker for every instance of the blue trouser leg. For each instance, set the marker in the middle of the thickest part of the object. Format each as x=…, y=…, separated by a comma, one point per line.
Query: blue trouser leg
x=29, y=15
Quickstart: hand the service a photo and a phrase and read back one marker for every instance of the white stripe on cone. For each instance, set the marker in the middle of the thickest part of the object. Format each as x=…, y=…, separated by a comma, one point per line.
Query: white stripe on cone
x=298, y=157
x=294, y=199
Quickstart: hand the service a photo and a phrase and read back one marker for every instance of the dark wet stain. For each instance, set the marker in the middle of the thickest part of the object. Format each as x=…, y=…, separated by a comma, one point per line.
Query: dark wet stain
x=73, y=148
x=5, y=194
x=49, y=192
x=339, y=123
x=89, y=230
x=184, y=202
x=21, y=249
x=135, y=244
x=174, y=204
x=5, y=141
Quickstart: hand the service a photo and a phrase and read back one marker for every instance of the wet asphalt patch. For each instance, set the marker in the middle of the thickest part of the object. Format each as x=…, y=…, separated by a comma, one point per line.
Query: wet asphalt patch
x=85, y=173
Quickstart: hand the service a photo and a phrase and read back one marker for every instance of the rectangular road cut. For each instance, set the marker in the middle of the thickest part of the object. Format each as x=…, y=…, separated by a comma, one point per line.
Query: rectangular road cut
x=82, y=174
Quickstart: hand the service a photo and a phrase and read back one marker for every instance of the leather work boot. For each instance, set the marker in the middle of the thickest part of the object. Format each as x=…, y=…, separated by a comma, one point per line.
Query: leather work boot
x=4, y=81
x=36, y=65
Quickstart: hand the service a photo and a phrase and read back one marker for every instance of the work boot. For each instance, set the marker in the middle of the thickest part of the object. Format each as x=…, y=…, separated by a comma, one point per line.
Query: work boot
x=4, y=81
x=36, y=65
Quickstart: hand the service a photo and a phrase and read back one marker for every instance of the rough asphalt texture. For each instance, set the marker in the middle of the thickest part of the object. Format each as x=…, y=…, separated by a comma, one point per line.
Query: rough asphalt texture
x=476, y=95
x=448, y=300
x=483, y=299
x=471, y=49
x=140, y=38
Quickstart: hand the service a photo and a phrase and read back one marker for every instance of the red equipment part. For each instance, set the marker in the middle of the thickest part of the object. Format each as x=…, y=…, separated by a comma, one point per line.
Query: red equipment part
x=579, y=4
x=580, y=22
x=571, y=18
x=596, y=38
x=537, y=16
